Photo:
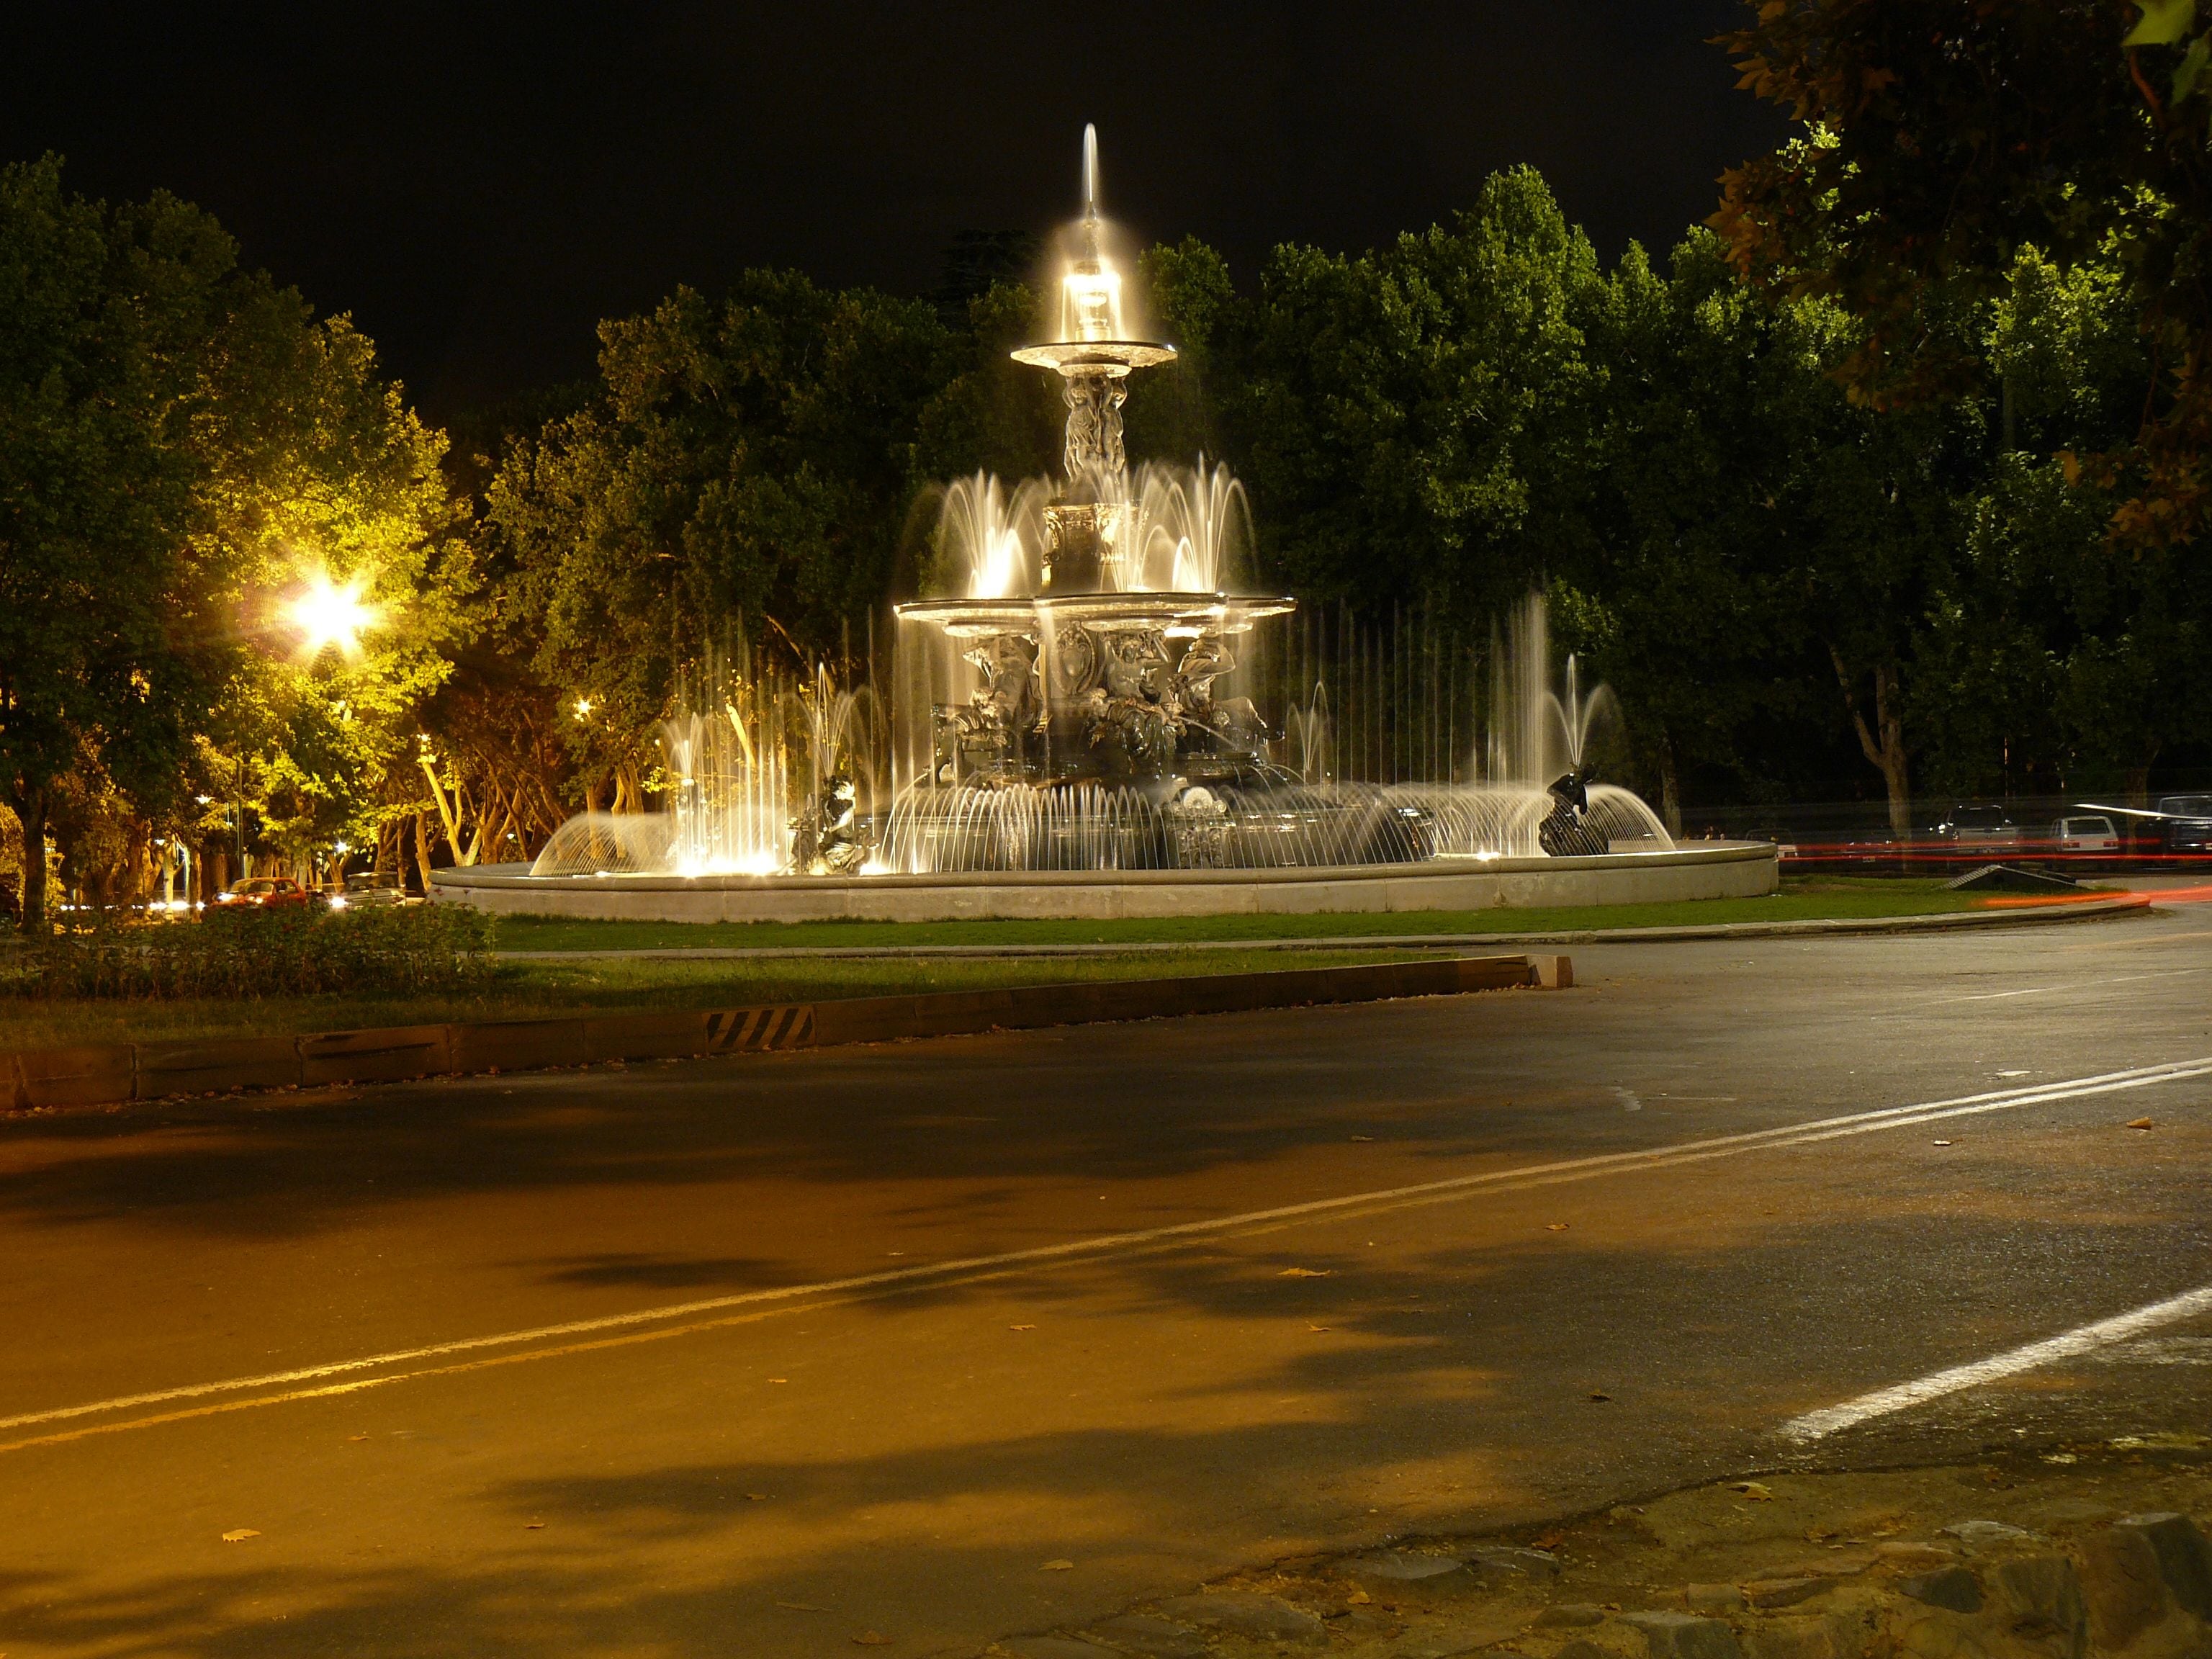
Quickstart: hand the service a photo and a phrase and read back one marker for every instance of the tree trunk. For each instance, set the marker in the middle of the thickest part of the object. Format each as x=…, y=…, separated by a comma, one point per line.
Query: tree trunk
x=2138, y=787
x=31, y=810
x=1886, y=752
x=422, y=849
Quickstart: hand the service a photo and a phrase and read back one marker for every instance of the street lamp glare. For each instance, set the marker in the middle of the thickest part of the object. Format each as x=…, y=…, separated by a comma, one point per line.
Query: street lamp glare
x=326, y=615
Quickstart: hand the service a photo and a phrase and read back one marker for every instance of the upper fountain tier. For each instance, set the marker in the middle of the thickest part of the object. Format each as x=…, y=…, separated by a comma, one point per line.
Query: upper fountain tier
x=1094, y=353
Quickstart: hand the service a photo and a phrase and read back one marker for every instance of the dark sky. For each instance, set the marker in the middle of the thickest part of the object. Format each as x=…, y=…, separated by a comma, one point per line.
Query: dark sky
x=479, y=182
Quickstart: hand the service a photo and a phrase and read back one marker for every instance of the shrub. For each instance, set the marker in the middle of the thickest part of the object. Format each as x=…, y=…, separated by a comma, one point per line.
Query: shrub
x=260, y=953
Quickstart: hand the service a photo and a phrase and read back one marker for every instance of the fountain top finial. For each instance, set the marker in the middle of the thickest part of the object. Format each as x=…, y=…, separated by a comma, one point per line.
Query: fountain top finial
x=1091, y=342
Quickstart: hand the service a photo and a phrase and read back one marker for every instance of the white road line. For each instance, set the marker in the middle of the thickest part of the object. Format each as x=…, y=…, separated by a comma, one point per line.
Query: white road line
x=1814, y=1425
x=1527, y=1175
x=2077, y=985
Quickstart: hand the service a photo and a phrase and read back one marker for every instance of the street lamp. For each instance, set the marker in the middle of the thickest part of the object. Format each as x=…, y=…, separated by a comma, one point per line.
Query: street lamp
x=328, y=615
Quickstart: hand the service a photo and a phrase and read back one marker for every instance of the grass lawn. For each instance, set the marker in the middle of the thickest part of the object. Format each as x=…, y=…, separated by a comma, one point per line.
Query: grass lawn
x=612, y=985
x=1802, y=898
x=617, y=984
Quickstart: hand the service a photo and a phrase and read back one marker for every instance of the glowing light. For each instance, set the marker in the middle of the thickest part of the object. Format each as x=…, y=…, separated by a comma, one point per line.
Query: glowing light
x=583, y=709
x=337, y=901
x=1090, y=304
x=327, y=615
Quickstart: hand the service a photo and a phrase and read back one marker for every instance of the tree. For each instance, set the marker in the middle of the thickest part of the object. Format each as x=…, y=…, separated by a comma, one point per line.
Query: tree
x=1714, y=398
x=182, y=446
x=1942, y=139
x=104, y=338
x=1413, y=421
x=742, y=477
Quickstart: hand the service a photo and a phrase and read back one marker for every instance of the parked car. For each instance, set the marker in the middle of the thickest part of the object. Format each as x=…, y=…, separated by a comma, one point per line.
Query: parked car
x=2083, y=841
x=1980, y=832
x=264, y=893
x=2188, y=825
x=368, y=893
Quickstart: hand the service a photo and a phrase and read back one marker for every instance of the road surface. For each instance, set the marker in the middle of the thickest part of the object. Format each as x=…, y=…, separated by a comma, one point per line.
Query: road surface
x=682, y=1361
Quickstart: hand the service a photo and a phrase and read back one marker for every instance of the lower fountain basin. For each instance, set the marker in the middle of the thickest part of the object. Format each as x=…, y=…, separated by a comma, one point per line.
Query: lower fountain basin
x=1701, y=870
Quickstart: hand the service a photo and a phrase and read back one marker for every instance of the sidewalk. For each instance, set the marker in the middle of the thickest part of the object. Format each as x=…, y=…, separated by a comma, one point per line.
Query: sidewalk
x=2096, y=1550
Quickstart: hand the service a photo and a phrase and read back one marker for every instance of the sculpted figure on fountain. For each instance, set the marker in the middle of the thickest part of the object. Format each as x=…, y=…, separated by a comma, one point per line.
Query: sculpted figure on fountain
x=1131, y=728
x=827, y=839
x=1230, y=722
x=989, y=731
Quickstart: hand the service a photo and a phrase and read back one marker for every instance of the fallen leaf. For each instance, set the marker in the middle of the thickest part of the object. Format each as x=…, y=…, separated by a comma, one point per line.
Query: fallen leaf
x=868, y=1638
x=1021, y=1327
x=2140, y=1123
x=801, y=1607
x=779, y=1379
x=1940, y=1142
x=1550, y=1541
x=1321, y=1327
x=1059, y=1564
x=1555, y=1226
x=1306, y=1273
x=1358, y=1599
x=757, y=1497
x=1752, y=1490
x=350, y=1437
x=533, y=1526
x=240, y=1534
x=1601, y=1396
x=1363, y=1137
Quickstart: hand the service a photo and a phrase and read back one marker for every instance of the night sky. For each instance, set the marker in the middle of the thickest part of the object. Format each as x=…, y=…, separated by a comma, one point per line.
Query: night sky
x=479, y=182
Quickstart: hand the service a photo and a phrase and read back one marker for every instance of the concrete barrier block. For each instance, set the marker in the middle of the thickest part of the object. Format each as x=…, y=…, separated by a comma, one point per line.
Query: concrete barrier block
x=388, y=1054
x=519, y=1045
x=215, y=1066
x=1552, y=973
x=758, y=1031
x=90, y=1076
x=649, y=1037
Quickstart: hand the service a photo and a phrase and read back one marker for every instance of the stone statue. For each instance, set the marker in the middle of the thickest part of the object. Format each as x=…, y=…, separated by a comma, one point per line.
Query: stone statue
x=988, y=727
x=1131, y=728
x=827, y=839
x=1566, y=831
x=1204, y=660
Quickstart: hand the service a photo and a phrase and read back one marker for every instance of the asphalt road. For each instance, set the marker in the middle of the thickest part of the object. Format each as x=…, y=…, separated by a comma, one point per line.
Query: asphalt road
x=535, y=1461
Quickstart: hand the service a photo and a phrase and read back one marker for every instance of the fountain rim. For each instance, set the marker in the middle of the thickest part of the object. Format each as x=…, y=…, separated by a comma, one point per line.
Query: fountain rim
x=1113, y=358
x=517, y=876
x=1136, y=607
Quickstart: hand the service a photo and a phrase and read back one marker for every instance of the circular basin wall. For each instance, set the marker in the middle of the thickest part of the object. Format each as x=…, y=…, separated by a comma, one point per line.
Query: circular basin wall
x=1700, y=870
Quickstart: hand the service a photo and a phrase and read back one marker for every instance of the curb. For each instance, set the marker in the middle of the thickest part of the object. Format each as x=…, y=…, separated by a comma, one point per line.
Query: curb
x=111, y=1074
x=2081, y=910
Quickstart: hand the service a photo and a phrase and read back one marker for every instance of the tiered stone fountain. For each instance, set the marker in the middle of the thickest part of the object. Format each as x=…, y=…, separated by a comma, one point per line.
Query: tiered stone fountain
x=1065, y=737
